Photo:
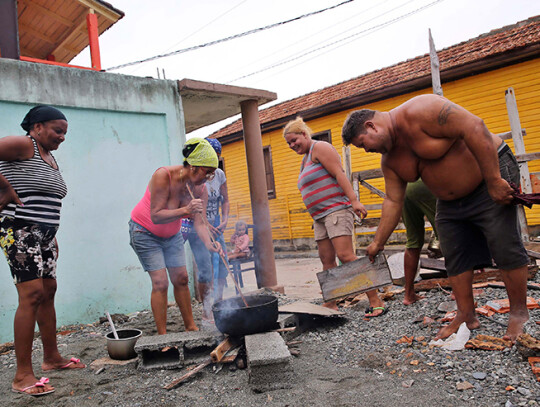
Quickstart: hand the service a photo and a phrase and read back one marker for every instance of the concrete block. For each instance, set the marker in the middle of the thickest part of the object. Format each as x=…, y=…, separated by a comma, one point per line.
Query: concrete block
x=268, y=360
x=183, y=345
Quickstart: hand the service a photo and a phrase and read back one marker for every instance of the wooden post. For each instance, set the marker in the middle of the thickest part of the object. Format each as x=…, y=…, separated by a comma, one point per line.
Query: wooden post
x=519, y=146
x=435, y=74
x=347, y=167
x=93, y=38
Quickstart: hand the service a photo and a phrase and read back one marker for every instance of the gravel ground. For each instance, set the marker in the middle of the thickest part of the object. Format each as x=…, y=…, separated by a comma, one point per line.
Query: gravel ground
x=343, y=361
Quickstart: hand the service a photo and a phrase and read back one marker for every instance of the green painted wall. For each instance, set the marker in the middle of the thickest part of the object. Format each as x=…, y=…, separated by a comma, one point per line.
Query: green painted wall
x=121, y=129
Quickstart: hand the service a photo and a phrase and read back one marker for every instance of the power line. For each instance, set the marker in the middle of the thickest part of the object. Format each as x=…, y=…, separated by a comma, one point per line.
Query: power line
x=232, y=37
x=350, y=37
x=310, y=37
x=312, y=48
x=206, y=25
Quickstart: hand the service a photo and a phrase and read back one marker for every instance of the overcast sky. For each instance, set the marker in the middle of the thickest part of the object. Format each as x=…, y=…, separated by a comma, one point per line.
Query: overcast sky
x=295, y=58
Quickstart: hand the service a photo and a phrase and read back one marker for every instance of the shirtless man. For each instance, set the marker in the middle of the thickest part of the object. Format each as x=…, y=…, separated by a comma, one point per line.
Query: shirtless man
x=458, y=159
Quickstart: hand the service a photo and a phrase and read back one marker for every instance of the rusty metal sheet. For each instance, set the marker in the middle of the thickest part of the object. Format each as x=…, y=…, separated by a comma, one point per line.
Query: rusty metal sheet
x=355, y=277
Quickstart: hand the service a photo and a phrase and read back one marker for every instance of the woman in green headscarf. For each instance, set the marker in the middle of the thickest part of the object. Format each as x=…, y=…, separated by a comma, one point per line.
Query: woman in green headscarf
x=155, y=222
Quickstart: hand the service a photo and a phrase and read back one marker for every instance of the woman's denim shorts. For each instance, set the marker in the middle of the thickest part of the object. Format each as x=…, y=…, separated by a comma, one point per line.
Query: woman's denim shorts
x=156, y=253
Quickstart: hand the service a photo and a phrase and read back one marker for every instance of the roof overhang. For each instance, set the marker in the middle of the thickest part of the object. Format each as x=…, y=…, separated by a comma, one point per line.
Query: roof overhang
x=205, y=103
x=58, y=27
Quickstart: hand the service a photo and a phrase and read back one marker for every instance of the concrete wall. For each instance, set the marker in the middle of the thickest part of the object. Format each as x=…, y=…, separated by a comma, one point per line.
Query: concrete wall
x=121, y=129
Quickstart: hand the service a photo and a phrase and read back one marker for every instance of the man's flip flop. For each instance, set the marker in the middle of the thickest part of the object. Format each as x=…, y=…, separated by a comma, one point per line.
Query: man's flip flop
x=371, y=309
x=41, y=383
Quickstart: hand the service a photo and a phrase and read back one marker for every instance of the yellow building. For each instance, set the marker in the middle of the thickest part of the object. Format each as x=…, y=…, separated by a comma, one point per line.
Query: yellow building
x=474, y=74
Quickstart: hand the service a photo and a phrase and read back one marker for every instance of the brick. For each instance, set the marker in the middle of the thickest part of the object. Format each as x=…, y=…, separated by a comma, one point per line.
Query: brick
x=268, y=360
x=183, y=346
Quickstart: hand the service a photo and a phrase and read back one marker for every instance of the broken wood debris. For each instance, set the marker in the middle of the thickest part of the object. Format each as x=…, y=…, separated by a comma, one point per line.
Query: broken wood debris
x=528, y=346
x=487, y=342
x=535, y=366
x=220, y=350
x=478, y=277
x=502, y=306
x=179, y=380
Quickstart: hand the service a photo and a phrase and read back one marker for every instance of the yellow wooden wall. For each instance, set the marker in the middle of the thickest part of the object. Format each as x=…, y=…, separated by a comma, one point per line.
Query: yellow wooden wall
x=481, y=94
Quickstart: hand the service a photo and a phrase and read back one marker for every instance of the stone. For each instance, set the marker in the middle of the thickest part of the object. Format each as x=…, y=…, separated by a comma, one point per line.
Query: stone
x=479, y=375
x=464, y=386
x=447, y=306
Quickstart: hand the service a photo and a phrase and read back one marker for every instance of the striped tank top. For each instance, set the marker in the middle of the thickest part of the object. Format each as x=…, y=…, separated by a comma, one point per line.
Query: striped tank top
x=39, y=186
x=320, y=191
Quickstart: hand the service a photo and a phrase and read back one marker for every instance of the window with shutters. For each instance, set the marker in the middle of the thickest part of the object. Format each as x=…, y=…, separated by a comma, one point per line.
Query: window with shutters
x=323, y=136
x=269, y=172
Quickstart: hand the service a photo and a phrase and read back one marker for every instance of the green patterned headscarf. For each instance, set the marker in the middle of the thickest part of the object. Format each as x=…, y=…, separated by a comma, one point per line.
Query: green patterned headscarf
x=199, y=153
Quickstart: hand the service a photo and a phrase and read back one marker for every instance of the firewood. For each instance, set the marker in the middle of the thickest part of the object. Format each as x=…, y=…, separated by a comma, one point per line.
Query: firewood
x=220, y=350
x=179, y=380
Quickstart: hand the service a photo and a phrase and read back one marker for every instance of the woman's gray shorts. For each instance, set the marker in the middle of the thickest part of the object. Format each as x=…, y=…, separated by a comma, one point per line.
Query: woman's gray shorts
x=474, y=229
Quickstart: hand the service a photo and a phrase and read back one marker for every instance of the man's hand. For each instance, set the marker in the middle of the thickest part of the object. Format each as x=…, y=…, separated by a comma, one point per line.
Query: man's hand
x=7, y=196
x=372, y=250
x=500, y=191
x=359, y=209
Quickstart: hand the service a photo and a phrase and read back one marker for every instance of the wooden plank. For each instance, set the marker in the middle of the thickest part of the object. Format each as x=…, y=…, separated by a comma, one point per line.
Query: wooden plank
x=519, y=146
x=308, y=308
x=373, y=189
x=434, y=59
x=523, y=158
x=535, y=182
x=355, y=277
x=432, y=264
x=508, y=134
x=368, y=174
x=486, y=275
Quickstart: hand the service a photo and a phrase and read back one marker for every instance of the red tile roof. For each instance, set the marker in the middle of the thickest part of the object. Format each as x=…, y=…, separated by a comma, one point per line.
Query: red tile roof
x=501, y=47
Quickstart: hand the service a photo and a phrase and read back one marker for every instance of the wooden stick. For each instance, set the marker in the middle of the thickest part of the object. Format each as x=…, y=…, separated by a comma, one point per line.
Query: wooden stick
x=205, y=221
x=176, y=382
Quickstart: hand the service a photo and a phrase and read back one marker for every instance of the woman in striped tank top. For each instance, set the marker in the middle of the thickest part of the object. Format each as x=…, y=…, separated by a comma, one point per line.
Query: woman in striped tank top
x=31, y=190
x=330, y=200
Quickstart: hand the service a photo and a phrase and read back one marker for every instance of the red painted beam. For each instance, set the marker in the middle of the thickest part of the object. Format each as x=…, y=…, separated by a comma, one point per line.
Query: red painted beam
x=93, y=38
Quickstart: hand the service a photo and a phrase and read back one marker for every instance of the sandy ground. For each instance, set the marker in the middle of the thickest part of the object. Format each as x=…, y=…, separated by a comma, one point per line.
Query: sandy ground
x=343, y=362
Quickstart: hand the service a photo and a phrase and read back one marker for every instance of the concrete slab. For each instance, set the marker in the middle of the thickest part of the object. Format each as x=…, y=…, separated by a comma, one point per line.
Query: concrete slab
x=171, y=350
x=268, y=360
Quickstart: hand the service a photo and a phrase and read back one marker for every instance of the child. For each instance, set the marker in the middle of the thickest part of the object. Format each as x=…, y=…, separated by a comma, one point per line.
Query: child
x=239, y=241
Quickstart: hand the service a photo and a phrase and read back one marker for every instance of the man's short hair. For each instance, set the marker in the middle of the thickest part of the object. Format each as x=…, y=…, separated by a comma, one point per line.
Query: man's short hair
x=354, y=124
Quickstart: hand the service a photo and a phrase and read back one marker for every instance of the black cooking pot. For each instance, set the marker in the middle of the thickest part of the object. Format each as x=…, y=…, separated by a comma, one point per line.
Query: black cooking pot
x=232, y=317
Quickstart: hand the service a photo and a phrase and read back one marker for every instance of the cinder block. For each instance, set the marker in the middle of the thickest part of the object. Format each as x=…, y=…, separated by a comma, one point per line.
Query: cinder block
x=149, y=348
x=268, y=360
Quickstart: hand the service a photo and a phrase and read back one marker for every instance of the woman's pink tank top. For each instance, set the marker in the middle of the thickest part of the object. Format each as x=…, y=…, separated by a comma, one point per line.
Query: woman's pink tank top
x=141, y=215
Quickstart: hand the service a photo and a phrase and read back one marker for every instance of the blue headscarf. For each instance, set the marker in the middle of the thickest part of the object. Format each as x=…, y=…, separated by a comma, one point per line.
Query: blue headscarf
x=214, y=143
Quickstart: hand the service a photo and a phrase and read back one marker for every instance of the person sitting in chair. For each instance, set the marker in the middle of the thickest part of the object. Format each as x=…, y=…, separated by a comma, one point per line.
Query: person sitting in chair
x=240, y=241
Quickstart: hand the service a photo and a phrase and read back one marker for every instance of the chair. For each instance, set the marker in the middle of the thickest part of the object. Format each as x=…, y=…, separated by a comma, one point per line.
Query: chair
x=236, y=264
